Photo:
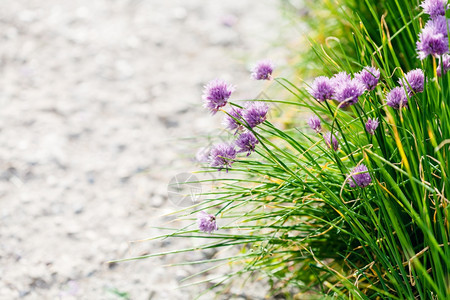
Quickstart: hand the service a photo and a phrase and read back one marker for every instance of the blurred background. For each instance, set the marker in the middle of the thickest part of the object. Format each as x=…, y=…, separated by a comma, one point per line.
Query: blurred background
x=97, y=99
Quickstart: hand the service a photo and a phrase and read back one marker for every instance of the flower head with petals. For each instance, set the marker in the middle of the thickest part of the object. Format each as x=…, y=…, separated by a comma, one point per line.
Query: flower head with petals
x=444, y=65
x=322, y=88
x=340, y=79
x=369, y=76
x=331, y=141
x=359, y=176
x=348, y=92
x=263, y=70
x=314, y=123
x=206, y=222
x=396, y=98
x=413, y=81
x=434, y=8
x=216, y=95
x=372, y=125
x=433, y=39
x=246, y=142
x=232, y=119
x=222, y=156
x=255, y=113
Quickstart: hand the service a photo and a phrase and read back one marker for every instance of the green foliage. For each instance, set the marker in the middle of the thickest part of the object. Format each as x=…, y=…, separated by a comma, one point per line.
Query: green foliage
x=384, y=21
x=120, y=294
x=288, y=211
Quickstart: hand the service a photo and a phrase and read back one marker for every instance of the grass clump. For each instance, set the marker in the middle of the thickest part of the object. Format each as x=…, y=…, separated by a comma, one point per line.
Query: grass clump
x=354, y=203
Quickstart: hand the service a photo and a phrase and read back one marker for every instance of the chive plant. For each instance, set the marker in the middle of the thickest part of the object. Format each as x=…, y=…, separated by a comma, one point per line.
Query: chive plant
x=353, y=203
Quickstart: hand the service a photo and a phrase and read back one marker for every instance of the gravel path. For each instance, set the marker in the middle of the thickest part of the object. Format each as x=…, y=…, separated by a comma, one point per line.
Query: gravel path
x=94, y=96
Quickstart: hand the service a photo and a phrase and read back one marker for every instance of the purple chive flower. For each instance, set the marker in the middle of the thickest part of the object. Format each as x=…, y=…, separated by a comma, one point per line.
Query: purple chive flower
x=231, y=119
x=433, y=39
x=206, y=222
x=255, y=113
x=263, y=70
x=434, y=7
x=359, y=176
x=444, y=65
x=396, y=98
x=322, y=88
x=222, y=156
x=247, y=142
x=372, y=125
x=340, y=79
x=332, y=142
x=414, y=81
x=314, y=123
x=348, y=92
x=369, y=76
x=439, y=24
x=216, y=95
